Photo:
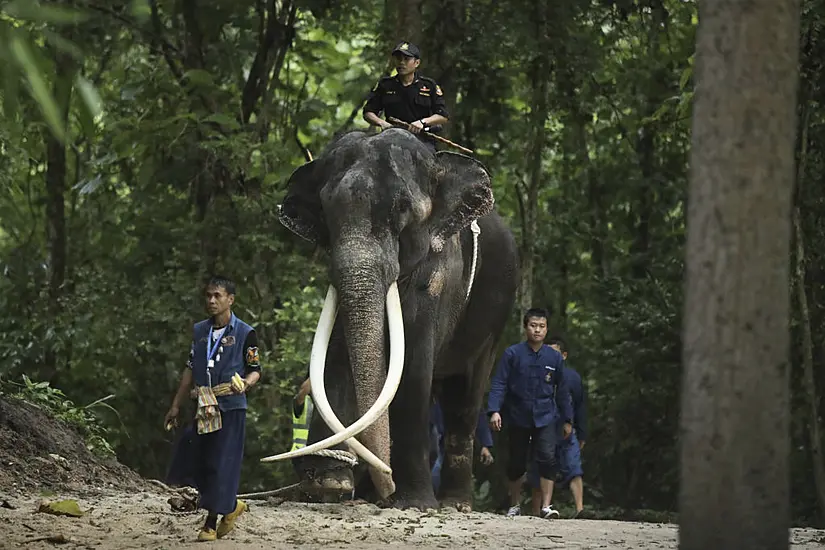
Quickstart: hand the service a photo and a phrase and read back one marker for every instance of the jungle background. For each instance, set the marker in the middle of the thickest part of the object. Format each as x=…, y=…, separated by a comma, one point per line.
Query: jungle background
x=145, y=144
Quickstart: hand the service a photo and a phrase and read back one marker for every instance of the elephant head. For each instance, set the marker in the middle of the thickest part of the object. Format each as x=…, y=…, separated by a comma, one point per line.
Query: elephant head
x=380, y=204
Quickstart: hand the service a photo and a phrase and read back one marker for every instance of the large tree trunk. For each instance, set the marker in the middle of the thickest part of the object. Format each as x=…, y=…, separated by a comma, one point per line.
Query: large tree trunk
x=56, y=173
x=540, y=82
x=735, y=417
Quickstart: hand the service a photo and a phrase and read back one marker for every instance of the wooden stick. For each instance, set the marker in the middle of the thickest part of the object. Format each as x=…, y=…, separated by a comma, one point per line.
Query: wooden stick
x=407, y=125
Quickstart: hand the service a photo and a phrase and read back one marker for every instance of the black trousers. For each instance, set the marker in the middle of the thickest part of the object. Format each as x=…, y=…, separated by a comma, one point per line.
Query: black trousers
x=543, y=443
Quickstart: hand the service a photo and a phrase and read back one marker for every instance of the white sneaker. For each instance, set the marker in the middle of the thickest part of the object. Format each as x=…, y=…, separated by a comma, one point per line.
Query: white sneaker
x=514, y=511
x=548, y=512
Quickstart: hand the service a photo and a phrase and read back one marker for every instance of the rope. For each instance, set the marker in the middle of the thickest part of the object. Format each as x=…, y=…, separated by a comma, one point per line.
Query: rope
x=343, y=456
x=270, y=493
x=474, y=227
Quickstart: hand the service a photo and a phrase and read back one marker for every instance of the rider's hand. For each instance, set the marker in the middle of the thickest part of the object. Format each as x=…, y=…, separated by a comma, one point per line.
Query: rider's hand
x=416, y=127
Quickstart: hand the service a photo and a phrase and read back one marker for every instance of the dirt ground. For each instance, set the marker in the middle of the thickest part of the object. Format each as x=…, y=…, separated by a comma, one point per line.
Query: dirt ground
x=142, y=520
x=43, y=459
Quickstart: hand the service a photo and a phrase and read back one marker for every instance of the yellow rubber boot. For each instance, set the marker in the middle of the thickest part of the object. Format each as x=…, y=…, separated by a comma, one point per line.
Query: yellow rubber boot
x=228, y=521
x=207, y=534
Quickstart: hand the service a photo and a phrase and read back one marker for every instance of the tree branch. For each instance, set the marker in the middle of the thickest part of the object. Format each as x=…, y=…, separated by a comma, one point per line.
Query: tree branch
x=166, y=47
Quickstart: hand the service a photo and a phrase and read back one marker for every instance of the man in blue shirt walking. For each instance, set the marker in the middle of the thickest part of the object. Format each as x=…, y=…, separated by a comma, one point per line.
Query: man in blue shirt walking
x=568, y=451
x=530, y=390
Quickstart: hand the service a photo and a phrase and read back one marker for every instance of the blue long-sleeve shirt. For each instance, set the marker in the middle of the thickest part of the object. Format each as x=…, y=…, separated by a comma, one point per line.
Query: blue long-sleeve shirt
x=483, y=433
x=578, y=397
x=530, y=387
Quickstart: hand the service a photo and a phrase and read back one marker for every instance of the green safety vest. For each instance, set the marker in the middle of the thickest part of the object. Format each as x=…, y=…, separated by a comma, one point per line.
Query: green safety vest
x=300, y=425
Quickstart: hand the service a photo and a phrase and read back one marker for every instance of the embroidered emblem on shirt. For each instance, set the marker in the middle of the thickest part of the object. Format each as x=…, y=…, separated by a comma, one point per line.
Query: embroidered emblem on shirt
x=424, y=89
x=252, y=356
x=228, y=340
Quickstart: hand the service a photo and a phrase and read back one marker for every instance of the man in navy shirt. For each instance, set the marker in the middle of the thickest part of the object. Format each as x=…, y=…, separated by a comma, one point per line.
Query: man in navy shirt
x=568, y=450
x=530, y=390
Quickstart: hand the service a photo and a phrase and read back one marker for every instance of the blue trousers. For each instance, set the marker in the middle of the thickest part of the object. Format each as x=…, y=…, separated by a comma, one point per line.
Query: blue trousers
x=181, y=472
x=218, y=463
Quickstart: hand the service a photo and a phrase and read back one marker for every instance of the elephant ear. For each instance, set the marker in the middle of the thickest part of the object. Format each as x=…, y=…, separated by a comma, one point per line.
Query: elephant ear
x=463, y=193
x=301, y=210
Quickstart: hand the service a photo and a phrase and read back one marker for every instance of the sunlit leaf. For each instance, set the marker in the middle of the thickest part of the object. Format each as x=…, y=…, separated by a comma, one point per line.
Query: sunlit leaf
x=199, y=77
x=140, y=9
x=39, y=88
x=63, y=44
x=223, y=120
x=31, y=10
x=89, y=186
x=90, y=104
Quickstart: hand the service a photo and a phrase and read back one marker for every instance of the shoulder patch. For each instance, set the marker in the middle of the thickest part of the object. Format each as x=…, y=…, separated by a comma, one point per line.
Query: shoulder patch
x=438, y=90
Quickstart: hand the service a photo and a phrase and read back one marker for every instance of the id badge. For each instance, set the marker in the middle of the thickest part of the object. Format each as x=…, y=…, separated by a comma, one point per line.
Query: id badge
x=210, y=364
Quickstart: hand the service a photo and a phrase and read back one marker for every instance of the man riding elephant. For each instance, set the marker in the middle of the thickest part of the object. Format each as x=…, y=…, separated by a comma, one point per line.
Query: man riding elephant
x=396, y=220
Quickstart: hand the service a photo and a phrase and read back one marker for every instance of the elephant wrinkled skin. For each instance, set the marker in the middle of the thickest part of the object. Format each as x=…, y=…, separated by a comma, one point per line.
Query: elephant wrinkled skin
x=389, y=210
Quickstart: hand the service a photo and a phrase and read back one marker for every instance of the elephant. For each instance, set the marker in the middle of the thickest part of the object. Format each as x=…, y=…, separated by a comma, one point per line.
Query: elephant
x=418, y=301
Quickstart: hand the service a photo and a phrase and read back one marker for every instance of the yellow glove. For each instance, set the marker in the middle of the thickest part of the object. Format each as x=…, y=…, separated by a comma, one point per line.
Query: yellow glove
x=238, y=383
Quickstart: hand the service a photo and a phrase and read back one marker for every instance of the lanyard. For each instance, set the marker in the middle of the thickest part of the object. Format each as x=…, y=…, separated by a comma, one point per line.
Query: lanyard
x=213, y=347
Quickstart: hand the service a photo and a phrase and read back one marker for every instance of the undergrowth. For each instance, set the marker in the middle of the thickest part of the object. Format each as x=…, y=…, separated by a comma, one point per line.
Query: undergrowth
x=55, y=403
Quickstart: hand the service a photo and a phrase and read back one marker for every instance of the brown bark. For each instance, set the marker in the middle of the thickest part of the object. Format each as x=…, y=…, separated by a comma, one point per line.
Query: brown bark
x=540, y=81
x=404, y=20
x=735, y=407
x=56, y=173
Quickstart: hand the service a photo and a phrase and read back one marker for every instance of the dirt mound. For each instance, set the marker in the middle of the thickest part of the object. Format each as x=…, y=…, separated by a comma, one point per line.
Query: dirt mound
x=38, y=452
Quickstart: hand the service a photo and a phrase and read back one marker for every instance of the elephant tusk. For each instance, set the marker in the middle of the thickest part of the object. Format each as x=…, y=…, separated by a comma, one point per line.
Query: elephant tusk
x=316, y=372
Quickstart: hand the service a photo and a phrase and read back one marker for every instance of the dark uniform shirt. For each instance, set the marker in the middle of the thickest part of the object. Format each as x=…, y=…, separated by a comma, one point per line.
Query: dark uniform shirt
x=530, y=388
x=419, y=100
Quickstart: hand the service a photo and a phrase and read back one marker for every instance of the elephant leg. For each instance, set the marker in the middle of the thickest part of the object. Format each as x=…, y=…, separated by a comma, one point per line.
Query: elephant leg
x=325, y=477
x=461, y=405
x=409, y=419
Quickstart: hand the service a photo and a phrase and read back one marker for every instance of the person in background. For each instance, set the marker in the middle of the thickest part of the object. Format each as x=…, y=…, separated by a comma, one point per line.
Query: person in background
x=302, y=409
x=484, y=438
x=529, y=395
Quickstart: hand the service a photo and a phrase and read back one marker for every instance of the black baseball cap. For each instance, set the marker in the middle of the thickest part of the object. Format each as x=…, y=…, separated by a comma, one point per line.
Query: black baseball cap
x=407, y=48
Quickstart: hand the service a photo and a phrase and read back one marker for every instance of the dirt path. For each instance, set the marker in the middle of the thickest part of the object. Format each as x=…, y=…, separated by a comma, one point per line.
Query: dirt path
x=120, y=520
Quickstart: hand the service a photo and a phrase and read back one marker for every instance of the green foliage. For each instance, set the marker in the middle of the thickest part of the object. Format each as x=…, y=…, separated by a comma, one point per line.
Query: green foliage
x=177, y=153
x=84, y=419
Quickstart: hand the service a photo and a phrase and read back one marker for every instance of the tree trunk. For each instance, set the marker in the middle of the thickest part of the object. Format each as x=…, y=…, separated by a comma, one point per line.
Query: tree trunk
x=735, y=409
x=540, y=76
x=56, y=172
x=809, y=381
x=403, y=20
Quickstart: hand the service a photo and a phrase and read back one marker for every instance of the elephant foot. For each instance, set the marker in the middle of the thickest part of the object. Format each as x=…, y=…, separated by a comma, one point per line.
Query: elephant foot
x=405, y=501
x=464, y=506
x=330, y=485
x=419, y=504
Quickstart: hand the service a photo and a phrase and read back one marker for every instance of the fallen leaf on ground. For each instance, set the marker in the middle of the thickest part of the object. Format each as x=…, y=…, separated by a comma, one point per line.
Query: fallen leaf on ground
x=66, y=507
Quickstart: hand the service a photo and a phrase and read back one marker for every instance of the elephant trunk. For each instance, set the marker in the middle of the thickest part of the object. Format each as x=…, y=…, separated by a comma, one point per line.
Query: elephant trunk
x=362, y=292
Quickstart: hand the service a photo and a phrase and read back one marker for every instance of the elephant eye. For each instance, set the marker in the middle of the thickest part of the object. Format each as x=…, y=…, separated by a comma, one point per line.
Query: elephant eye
x=403, y=213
